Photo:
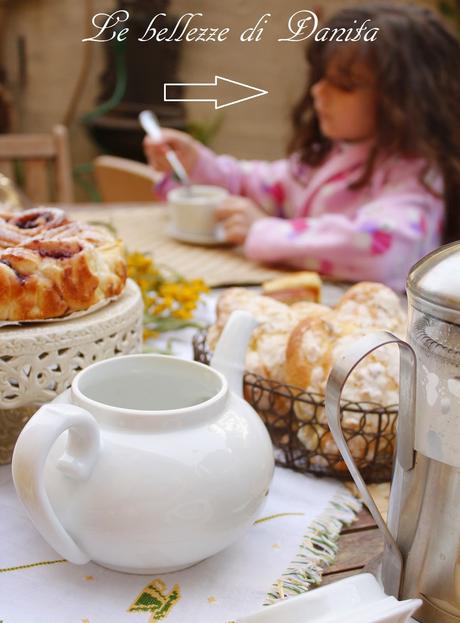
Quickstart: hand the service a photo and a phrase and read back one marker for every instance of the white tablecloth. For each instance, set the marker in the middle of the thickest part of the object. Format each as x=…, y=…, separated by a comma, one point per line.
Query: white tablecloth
x=37, y=587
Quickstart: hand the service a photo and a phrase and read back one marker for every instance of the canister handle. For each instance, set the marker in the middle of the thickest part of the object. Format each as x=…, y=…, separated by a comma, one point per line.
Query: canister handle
x=405, y=455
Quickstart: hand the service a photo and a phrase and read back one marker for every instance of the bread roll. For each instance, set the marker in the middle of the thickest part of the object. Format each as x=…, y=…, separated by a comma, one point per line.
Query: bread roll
x=313, y=347
x=373, y=306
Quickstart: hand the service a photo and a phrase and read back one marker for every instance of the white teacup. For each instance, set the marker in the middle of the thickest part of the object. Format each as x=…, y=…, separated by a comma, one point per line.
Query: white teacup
x=193, y=210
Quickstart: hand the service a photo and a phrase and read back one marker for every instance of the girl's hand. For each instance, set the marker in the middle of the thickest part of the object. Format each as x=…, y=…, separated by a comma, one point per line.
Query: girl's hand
x=237, y=214
x=183, y=144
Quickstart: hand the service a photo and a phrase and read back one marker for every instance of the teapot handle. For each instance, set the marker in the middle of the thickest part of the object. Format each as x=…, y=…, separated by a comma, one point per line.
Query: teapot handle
x=78, y=460
x=405, y=455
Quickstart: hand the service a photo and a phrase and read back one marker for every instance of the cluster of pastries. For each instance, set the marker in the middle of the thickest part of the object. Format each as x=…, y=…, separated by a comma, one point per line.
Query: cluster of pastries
x=267, y=346
x=51, y=266
x=298, y=345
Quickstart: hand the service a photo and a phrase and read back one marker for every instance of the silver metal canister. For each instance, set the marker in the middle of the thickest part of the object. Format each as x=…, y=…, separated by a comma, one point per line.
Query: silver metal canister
x=422, y=540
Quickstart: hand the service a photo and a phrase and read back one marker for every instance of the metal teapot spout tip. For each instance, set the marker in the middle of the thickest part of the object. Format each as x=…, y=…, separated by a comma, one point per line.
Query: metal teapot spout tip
x=230, y=353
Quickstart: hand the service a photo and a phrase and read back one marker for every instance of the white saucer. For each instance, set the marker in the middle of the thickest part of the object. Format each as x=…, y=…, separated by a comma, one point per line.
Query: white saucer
x=208, y=241
x=357, y=599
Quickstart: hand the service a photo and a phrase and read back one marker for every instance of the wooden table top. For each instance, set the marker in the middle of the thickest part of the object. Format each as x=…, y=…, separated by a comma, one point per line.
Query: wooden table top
x=145, y=228
x=362, y=542
x=358, y=545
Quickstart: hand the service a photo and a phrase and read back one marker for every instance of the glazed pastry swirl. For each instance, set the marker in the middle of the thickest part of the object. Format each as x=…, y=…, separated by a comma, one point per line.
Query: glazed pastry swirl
x=39, y=219
x=9, y=236
x=51, y=266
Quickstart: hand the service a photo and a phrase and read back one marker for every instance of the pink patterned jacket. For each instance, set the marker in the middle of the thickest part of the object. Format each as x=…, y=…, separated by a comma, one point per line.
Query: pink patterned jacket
x=315, y=221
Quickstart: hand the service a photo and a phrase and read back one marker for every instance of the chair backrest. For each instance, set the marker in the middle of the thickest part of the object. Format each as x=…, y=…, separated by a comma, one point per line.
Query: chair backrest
x=40, y=164
x=120, y=179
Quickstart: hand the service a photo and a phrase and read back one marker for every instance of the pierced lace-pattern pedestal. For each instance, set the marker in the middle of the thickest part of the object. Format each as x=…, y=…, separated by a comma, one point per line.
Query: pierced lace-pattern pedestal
x=38, y=361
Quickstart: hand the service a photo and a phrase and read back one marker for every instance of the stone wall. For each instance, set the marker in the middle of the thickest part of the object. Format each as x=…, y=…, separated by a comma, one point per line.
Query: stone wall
x=258, y=128
x=52, y=31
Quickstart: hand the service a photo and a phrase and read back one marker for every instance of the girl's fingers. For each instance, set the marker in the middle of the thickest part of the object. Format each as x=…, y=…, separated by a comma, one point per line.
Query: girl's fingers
x=223, y=212
x=155, y=154
x=229, y=207
x=152, y=148
x=184, y=145
x=232, y=221
x=169, y=138
x=235, y=235
x=175, y=137
x=180, y=142
x=235, y=228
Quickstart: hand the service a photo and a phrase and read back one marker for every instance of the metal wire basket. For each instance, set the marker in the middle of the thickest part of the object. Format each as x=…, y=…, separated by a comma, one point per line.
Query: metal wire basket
x=297, y=425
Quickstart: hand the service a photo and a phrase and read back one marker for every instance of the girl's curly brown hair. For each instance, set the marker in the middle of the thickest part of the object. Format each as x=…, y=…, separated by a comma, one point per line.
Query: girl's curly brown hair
x=416, y=63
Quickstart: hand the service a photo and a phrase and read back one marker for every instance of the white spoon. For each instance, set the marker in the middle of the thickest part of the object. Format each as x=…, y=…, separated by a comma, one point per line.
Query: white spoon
x=151, y=126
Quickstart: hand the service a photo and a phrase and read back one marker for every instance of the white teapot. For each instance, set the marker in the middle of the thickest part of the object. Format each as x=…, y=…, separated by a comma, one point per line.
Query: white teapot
x=149, y=463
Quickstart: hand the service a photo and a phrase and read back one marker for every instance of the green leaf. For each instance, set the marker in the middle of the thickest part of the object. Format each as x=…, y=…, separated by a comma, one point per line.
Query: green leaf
x=445, y=8
x=204, y=131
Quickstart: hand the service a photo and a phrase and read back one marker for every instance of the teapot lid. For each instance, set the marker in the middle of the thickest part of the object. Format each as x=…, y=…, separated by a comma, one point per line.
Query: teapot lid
x=434, y=282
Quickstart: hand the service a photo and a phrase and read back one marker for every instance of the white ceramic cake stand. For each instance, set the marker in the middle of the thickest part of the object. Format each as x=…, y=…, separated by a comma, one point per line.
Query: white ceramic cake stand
x=38, y=361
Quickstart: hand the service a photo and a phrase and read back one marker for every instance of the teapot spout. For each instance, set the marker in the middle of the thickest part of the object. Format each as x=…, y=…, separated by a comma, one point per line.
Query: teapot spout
x=230, y=353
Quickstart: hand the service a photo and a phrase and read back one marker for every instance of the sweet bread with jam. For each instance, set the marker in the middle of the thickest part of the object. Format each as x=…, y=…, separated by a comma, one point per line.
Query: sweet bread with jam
x=51, y=266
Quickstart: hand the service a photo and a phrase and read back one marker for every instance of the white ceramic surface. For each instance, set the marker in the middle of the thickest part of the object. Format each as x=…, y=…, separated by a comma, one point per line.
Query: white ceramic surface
x=193, y=211
x=149, y=463
x=216, y=239
x=358, y=599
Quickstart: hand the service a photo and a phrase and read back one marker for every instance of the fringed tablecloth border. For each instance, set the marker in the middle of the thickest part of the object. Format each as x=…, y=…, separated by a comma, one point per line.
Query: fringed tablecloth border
x=317, y=550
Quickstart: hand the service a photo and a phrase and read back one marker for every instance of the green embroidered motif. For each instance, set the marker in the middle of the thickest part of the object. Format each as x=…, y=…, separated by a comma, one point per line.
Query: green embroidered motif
x=269, y=517
x=153, y=598
x=30, y=566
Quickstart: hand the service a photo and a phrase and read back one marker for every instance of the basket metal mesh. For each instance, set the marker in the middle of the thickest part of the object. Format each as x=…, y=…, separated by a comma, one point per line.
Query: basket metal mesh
x=297, y=425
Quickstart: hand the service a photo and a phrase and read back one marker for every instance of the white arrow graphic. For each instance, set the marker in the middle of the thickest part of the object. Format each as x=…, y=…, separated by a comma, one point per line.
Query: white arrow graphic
x=218, y=80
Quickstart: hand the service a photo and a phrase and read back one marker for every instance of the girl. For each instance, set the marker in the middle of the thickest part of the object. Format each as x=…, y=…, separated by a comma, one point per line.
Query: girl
x=372, y=177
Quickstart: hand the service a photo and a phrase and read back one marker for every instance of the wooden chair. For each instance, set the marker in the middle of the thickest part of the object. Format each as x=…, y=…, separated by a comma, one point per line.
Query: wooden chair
x=120, y=179
x=42, y=164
